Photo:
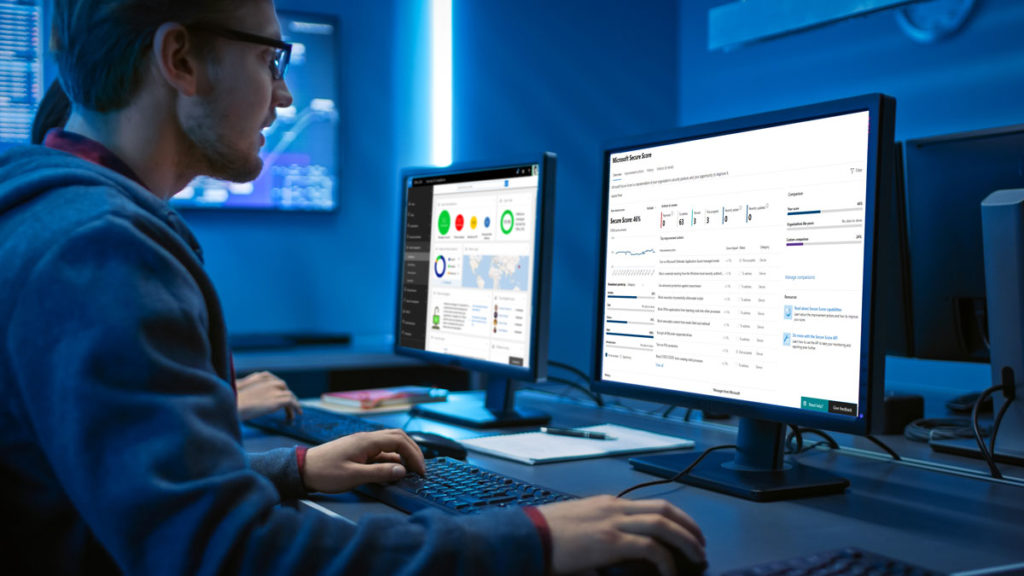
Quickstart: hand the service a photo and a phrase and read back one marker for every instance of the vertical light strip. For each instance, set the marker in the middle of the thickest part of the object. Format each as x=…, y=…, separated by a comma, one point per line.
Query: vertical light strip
x=441, y=82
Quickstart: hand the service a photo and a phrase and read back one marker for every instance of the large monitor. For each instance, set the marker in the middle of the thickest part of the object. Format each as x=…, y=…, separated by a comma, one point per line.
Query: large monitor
x=301, y=155
x=738, y=262
x=474, y=284
x=947, y=178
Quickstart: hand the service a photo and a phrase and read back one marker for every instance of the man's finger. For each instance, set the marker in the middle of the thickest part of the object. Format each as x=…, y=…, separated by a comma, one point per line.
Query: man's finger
x=666, y=532
x=669, y=511
x=386, y=457
x=381, y=473
x=635, y=547
x=394, y=440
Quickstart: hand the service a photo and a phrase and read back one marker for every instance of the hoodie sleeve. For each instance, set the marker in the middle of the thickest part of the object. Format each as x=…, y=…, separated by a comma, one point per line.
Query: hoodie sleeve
x=111, y=355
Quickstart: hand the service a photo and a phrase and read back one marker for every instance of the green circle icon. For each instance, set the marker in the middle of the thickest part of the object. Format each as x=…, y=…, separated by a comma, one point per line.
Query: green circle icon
x=444, y=222
x=507, y=220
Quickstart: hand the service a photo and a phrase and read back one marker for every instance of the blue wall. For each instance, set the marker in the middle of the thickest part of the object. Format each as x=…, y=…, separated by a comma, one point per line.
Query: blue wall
x=973, y=79
x=537, y=75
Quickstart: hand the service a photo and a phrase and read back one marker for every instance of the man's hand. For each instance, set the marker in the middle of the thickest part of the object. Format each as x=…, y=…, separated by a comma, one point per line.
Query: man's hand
x=603, y=530
x=343, y=464
x=262, y=393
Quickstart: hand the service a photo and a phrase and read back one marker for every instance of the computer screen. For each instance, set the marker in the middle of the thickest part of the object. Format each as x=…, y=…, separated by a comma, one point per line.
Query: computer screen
x=947, y=177
x=301, y=154
x=737, y=268
x=21, y=69
x=474, y=288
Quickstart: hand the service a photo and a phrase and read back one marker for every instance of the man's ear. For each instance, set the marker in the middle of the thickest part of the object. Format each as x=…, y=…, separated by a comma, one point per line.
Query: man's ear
x=175, y=58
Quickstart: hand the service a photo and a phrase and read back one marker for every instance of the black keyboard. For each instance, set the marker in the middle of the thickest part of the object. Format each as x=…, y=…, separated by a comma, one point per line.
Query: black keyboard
x=314, y=425
x=848, y=561
x=460, y=488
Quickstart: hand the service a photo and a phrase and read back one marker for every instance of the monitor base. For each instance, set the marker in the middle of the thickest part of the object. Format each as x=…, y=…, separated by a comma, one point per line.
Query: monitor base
x=794, y=481
x=969, y=447
x=471, y=413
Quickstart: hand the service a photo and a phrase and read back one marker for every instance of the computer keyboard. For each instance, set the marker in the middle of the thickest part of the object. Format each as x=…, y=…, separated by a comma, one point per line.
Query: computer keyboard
x=848, y=561
x=460, y=488
x=314, y=425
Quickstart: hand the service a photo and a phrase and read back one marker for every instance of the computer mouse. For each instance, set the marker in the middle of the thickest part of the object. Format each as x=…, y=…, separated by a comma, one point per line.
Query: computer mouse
x=434, y=445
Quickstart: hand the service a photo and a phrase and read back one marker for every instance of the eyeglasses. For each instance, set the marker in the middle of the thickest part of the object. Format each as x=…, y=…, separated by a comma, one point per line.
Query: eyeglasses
x=282, y=50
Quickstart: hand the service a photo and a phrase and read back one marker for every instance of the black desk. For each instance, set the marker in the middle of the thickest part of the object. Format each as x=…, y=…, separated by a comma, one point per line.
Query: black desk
x=949, y=522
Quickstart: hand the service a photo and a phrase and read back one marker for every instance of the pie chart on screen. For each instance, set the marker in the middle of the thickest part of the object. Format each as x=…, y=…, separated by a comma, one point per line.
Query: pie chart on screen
x=440, y=266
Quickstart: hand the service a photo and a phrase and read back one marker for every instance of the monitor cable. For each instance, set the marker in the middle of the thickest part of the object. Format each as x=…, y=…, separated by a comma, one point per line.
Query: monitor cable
x=884, y=446
x=977, y=429
x=576, y=385
x=675, y=478
x=588, y=390
x=797, y=434
x=925, y=429
x=672, y=407
x=995, y=425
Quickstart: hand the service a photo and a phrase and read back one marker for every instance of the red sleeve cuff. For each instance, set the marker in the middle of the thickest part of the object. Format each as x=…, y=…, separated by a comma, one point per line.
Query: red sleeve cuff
x=300, y=459
x=544, y=530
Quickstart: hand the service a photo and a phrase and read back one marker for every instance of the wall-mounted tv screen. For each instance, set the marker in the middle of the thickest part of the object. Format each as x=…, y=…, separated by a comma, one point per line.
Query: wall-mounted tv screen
x=301, y=154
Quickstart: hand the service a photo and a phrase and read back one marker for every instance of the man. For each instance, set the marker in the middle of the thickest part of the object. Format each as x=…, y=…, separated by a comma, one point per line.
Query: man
x=120, y=440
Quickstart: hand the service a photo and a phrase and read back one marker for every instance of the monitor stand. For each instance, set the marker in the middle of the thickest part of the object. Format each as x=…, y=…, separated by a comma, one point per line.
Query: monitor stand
x=755, y=470
x=498, y=410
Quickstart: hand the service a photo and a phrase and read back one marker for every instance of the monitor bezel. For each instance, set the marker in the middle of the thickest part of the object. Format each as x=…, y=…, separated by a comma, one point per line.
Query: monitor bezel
x=536, y=370
x=197, y=207
x=881, y=110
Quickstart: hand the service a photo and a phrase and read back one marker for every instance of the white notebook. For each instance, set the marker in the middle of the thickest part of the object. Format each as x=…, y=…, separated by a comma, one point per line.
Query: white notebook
x=541, y=448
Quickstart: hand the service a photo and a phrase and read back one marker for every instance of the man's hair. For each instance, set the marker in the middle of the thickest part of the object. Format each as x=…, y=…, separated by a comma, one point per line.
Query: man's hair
x=102, y=46
x=53, y=112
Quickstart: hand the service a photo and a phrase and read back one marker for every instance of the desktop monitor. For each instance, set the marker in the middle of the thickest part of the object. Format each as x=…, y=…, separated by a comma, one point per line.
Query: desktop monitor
x=737, y=276
x=947, y=177
x=474, y=284
x=301, y=153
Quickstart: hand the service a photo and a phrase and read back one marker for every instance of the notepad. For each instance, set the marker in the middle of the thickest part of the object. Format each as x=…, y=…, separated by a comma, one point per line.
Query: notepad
x=540, y=448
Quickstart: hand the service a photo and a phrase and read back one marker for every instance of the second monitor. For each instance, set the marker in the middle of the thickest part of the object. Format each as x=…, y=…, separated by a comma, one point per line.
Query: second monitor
x=473, y=287
x=739, y=262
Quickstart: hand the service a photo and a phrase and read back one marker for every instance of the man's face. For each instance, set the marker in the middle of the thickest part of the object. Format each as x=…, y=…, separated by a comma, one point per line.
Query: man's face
x=224, y=121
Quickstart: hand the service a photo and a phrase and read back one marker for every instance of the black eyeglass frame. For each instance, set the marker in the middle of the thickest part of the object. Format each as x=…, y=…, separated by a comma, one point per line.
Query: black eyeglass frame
x=282, y=55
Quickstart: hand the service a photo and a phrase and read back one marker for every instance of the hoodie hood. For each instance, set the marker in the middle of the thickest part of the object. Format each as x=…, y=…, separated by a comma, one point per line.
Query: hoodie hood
x=29, y=173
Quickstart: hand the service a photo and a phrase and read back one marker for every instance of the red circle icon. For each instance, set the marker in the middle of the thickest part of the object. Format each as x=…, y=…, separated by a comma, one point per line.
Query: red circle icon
x=459, y=221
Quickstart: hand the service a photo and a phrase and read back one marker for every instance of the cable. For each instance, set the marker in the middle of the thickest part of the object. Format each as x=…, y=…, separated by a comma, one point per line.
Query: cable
x=798, y=433
x=677, y=476
x=884, y=446
x=926, y=429
x=977, y=434
x=596, y=396
x=995, y=426
x=572, y=369
x=592, y=395
x=794, y=433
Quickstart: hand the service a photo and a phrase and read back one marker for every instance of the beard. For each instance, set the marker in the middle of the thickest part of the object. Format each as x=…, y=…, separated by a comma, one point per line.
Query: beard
x=212, y=152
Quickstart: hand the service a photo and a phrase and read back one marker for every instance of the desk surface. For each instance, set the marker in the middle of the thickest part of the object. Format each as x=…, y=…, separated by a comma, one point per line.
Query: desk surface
x=946, y=521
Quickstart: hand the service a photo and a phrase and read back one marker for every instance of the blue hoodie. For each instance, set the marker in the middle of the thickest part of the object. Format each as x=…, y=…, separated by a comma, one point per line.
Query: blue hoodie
x=120, y=448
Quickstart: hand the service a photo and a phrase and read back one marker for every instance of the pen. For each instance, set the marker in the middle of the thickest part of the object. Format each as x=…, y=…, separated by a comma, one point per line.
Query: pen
x=576, y=433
